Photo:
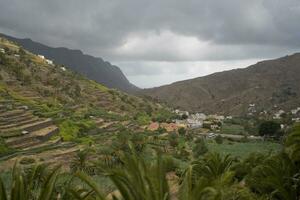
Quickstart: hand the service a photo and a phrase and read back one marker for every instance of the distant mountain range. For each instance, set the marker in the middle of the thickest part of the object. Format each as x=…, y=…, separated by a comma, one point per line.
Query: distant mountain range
x=271, y=84
x=92, y=67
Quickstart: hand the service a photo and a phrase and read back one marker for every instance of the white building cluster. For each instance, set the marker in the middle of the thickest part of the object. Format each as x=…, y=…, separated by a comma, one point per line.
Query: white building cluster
x=295, y=111
x=196, y=120
x=296, y=114
x=49, y=62
x=278, y=114
x=199, y=120
x=251, y=109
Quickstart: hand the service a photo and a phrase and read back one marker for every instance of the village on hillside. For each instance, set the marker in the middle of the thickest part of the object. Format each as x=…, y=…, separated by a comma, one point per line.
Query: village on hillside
x=212, y=125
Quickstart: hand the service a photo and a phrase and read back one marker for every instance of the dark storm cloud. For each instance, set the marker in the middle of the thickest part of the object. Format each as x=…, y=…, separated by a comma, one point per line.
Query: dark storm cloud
x=149, y=31
x=101, y=26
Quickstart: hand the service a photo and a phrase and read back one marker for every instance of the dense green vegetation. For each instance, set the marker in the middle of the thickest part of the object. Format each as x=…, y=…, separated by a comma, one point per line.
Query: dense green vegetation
x=233, y=129
x=3, y=147
x=132, y=175
x=243, y=149
x=269, y=128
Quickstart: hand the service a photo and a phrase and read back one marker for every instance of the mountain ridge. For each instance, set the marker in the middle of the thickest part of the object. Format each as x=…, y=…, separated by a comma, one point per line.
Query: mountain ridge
x=94, y=68
x=267, y=83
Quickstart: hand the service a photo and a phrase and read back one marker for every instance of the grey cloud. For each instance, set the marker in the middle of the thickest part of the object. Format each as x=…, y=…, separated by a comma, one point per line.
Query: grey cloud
x=151, y=74
x=100, y=26
x=231, y=29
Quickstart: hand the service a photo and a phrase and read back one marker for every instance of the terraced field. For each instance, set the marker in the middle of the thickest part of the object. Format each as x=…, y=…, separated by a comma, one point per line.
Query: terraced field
x=21, y=129
x=48, y=111
x=29, y=136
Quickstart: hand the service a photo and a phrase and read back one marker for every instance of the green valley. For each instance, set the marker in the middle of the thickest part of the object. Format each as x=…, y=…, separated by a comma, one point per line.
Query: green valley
x=64, y=137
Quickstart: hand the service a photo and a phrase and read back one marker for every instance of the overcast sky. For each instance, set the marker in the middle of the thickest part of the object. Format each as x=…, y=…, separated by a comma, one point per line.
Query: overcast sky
x=156, y=42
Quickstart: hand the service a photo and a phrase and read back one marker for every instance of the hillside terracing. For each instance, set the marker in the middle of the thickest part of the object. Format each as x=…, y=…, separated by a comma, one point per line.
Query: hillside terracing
x=21, y=129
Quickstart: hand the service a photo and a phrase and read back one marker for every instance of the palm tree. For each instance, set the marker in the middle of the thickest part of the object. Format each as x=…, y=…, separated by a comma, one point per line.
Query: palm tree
x=81, y=162
x=37, y=184
x=109, y=157
x=213, y=165
x=136, y=180
x=292, y=144
x=212, y=178
x=275, y=177
x=244, y=167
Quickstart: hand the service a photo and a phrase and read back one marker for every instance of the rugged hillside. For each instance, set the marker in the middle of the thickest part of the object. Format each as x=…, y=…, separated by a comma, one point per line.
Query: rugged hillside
x=266, y=84
x=47, y=107
x=94, y=68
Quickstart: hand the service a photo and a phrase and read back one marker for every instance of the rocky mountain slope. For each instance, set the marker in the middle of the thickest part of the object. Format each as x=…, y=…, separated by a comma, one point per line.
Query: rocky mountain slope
x=49, y=109
x=94, y=68
x=267, y=84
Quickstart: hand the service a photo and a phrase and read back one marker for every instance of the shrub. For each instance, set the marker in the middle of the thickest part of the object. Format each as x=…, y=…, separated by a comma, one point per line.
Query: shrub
x=143, y=119
x=3, y=147
x=71, y=129
x=161, y=130
x=200, y=148
x=173, y=140
x=68, y=130
x=219, y=139
x=163, y=115
x=181, y=131
x=269, y=128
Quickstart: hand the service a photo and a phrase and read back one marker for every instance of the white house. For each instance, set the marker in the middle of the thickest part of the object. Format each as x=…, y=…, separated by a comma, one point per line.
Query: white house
x=214, y=127
x=41, y=56
x=63, y=68
x=278, y=114
x=295, y=111
x=179, y=112
x=49, y=62
x=251, y=108
x=296, y=120
x=194, y=123
x=263, y=112
x=220, y=117
x=2, y=50
x=216, y=117
x=200, y=116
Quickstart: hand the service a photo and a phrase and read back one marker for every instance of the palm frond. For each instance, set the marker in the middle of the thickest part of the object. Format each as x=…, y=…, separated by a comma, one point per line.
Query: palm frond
x=3, y=194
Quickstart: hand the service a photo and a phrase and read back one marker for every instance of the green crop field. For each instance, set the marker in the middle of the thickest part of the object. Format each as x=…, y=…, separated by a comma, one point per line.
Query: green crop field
x=243, y=149
x=233, y=129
